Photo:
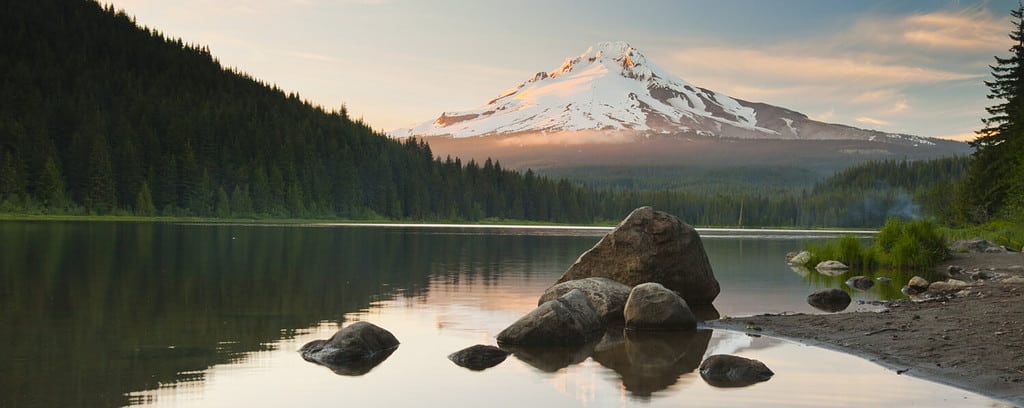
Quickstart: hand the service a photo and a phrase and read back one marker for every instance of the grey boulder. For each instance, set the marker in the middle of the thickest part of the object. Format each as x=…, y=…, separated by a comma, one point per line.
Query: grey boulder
x=651, y=246
x=608, y=297
x=567, y=320
x=652, y=306
x=860, y=282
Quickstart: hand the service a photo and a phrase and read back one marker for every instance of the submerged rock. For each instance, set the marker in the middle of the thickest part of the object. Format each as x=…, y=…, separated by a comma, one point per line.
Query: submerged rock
x=567, y=320
x=608, y=297
x=478, y=357
x=652, y=306
x=353, y=350
x=829, y=300
x=651, y=246
x=725, y=370
x=860, y=282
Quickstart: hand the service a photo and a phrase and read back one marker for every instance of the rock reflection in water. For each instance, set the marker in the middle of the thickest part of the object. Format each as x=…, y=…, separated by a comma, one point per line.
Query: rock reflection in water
x=652, y=361
x=357, y=368
x=550, y=359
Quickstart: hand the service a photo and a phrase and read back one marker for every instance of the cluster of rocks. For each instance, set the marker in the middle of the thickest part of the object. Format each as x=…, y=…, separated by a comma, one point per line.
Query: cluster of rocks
x=629, y=302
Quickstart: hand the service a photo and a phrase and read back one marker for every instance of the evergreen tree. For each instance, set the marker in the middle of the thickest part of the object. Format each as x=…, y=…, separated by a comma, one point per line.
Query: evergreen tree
x=101, y=194
x=144, y=201
x=998, y=147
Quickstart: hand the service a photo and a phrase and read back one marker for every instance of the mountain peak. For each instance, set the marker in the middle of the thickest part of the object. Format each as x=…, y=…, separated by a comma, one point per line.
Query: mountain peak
x=613, y=87
x=614, y=54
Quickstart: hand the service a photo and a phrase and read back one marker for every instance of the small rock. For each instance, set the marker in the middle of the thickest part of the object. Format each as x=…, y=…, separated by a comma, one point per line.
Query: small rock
x=947, y=286
x=353, y=350
x=982, y=275
x=860, y=282
x=478, y=357
x=608, y=297
x=801, y=258
x=723, y=370
x=831, y=266
x=829, y=300
x=883, y=279
x=1014, y=280
x=918, y=283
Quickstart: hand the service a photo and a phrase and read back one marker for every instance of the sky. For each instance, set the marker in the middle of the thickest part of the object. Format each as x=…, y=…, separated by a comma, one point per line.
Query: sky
x=914, y=67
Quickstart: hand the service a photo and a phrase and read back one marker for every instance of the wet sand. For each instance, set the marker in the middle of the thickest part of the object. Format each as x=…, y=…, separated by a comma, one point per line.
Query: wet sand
x=971, y=339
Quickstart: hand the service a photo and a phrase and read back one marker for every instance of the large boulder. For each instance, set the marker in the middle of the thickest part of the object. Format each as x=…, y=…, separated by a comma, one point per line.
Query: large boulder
x=652, y=306
x=829, y=300
x=723, y=370
x=567, y=320
x=478, y=357
x=651, y=246
x=353, y=350
x=608, y=297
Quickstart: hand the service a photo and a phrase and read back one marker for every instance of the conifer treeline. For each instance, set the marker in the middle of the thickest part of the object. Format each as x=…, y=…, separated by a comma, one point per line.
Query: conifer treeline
x=100, y=116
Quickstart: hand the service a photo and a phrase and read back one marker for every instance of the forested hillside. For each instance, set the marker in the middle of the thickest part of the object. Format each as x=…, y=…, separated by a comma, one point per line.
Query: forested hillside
x=100, y=116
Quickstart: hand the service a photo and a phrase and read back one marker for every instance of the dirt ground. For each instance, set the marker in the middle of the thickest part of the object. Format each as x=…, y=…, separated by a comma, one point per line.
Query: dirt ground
x=971, y=339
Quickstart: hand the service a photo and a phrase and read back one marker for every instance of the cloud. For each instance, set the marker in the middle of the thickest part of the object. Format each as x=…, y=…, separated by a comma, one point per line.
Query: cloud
x=969, y=29
x=872, y=121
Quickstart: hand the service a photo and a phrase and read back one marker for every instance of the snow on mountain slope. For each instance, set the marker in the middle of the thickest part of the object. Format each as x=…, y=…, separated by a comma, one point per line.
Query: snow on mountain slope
x=614, y=87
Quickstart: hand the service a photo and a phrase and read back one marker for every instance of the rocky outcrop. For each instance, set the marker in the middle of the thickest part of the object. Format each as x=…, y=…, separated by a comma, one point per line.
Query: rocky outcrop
x=829, y=300
x=478, y=357
x=651, y=246
x=652, y=306
x=860, y=282
x=353, y=350
x=608, y=297
x=567, y=320
x=976, y=245
x=725, y=370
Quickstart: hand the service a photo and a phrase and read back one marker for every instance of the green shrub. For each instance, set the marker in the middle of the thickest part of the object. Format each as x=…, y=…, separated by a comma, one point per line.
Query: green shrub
x=899, y=244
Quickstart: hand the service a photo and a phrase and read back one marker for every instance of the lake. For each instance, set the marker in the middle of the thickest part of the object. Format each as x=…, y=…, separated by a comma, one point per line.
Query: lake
x=98, y=314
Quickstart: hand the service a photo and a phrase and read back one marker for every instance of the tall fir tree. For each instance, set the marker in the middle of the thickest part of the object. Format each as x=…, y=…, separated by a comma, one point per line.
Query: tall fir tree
x=998, y=147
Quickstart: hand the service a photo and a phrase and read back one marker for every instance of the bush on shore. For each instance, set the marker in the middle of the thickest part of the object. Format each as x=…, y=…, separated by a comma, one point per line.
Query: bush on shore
x=900, y=244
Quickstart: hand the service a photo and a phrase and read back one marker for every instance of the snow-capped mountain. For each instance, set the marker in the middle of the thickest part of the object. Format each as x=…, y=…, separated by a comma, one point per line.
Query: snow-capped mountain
x=612, y=87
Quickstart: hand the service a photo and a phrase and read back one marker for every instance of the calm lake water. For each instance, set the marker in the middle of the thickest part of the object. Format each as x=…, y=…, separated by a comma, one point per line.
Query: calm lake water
x=116, y=314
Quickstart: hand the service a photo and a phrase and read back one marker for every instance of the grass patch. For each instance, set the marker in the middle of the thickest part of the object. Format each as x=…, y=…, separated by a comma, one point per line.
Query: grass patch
x=915, y=245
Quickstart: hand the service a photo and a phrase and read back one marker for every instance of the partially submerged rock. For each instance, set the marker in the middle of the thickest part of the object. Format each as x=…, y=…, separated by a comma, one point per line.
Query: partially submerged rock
x=608, y=297
x=353, y=350
x=478, y=357
x=651, y=246
x=567, y=320
x=831, y=266
x=800, y=258
x=725, y=370
x=829, y=300
x=860, y=282
x=652, y=306
x=918, y=283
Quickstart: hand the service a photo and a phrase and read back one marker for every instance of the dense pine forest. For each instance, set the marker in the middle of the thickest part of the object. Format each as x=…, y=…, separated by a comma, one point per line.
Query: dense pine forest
x=100, y=116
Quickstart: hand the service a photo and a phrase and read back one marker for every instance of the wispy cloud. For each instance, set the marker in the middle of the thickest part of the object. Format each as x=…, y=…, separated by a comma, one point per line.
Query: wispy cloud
x=872, y=121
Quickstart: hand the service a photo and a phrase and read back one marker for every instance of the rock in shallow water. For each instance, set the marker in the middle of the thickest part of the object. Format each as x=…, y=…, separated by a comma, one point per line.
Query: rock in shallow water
x=651, y=306
x=725, y=370
x=478, y=357
x=568, y=320
x=829, y=300
x=651, y=246
x=353, y=350
x=608, y=297
x=860, y=282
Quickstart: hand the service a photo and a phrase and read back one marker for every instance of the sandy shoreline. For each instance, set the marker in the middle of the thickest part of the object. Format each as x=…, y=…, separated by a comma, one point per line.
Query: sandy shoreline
x=973, y=340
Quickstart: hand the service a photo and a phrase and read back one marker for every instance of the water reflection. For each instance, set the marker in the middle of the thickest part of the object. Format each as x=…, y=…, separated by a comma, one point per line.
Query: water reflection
x=113, y=314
